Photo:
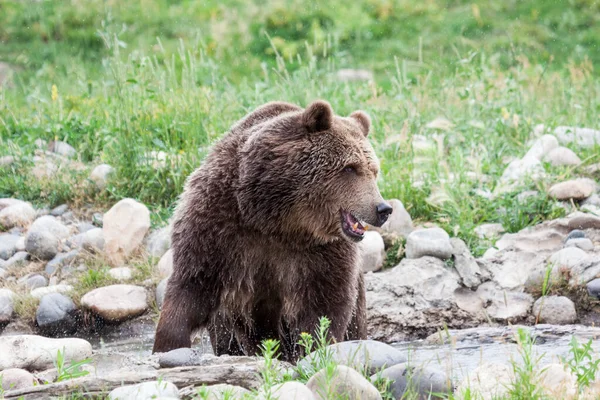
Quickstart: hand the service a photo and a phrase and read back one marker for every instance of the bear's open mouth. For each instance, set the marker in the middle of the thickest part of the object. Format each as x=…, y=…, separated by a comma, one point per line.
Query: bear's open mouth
x=351, y=226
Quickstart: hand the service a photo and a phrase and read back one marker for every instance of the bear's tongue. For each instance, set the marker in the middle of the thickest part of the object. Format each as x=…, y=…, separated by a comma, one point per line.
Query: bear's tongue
x=353, y=225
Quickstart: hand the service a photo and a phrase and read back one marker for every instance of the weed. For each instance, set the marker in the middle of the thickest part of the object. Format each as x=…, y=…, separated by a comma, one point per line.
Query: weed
x=581, y=362
x=526, y=373
x=71, y=371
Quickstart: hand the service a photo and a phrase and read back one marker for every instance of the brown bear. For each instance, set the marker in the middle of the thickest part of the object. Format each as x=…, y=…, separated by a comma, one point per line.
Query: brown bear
x=265, y=234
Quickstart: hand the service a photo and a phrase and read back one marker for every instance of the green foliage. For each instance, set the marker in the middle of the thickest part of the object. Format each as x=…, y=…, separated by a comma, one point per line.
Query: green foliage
x=582, y=362
x=526, y=370
x=73, y=370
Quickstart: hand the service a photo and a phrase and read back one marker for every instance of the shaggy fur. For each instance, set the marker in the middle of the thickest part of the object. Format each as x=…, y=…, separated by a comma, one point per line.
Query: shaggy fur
x=258, y=247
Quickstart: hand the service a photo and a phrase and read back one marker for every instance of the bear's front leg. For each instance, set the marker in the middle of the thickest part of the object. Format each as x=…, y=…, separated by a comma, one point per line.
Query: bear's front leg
x=186, y=308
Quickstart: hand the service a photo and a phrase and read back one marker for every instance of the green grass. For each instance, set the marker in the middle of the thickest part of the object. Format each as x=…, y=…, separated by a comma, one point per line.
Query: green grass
x=136, y=78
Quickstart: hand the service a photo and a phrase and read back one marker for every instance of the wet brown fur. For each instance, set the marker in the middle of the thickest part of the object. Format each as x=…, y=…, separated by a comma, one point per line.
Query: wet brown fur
x=257, y=242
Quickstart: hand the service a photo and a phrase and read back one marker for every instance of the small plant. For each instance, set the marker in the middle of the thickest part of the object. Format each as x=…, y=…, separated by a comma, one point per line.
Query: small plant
x=269, y=373
x=71, y=371
x=321, y=353
x=526, y=375
x=581, y=362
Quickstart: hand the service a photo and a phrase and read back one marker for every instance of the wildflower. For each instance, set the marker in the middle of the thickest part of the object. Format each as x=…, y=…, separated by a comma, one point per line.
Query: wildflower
x=54, y=93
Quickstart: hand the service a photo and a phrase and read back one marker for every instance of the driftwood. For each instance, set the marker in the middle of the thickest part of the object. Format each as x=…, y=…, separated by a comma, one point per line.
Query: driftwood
x=245, y=375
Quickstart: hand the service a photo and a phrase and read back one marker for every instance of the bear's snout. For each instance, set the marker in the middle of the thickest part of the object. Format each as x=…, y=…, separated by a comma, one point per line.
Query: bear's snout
x=383, y=211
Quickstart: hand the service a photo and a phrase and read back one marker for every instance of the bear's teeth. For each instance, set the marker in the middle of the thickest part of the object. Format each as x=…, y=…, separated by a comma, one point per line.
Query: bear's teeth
x=355, y=226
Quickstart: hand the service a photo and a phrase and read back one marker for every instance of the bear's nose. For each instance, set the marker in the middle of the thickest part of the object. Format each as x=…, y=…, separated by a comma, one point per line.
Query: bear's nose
x=383, y=212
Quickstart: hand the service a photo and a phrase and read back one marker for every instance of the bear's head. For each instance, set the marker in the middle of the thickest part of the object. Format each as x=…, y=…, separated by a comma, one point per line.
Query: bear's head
x=311, y=175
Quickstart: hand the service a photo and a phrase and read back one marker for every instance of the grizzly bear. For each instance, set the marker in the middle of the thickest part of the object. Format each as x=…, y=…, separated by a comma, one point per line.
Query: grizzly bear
x=265, y=234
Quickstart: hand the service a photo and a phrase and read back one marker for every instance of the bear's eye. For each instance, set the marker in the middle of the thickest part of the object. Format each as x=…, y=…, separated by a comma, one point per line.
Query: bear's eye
x=349, y=169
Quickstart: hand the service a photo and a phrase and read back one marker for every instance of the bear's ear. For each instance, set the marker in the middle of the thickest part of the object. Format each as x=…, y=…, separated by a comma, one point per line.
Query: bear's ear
x=317, y=117
x=364, y=121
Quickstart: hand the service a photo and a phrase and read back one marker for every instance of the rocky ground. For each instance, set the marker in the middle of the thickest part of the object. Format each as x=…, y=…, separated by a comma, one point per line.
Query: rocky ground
x=75, y=273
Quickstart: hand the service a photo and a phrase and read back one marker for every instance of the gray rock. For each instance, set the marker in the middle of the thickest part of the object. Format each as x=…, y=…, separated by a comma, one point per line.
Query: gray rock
x=19, y=259
x=38, y=353
x=182, y=357
x=593, y=288
x=159, y=242
x=42, y=245
x=399, y=222
x=372, y=251
x=33, y=281
x=116, y=302
x=121, y=273
x=20, y=246
x=60, y=210
x=64, y=149
x=426, y=381
x=53, y=288
x=433, y=242
x=575, y=234
x=16, y=378
x=584, y=244
x=585, y=272
x=505, y=305
x=562, y=156
x=568, y=257
x=145, y=391
x=542, y=147
x=101, y=174
x=555, y=310
x=83, y=227
x=584, y=221
x=465, y=264
x=584, y=137
x=359, y=354
x=165, y=264
x=8, y=245
x=16, y=213
x=3, y=272
x=55, y=315
x=90, y=240
x=160, y=292
x=289, y=390
x=344, y=381
x=6, y=305
x=576, y=189
x=61, y=260
x=489, y=381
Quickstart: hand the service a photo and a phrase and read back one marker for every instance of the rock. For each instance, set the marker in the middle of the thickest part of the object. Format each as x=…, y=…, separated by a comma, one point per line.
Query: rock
x=345, y=382
x=19, y=259
x=33, y=281
x=469, y=301
x=91, y=240
x=518, y=170
x=555, y=310
x=55, y=315
x=7, y=297
x=5, y=161
x=101, y=174
x=289, y=390
x=145, y=391
x=224, y=391
x=64, y=149
x=165, y=265
x=440, y=123
x=585, y=272
x=489, y=381
x=181, y=357
x=160, y=292
x=584, y=137
x=125, y=226
x=504, y=305
x=121, y=273
x=36, y=353
x=585, y=221
x=44, y=237
x=433, y=242
x=593, y=288
x=584, y=244
x=542, y=147
x=465, y=264
x=159, y=242
x=8, y=245
x=360, y=354
x=44, y=169
x=576, y=189
x=60, y=210
x=16, y=378
x=513, y=270
x=426, y=381
x=3, y=272
x=415, y=297
x=42, y=291
x=116, y=302
x=18, y=213
x=532, y=240
x=562, y=156
x=565, y=259
x=83, y=227
x=558, y=383
x=575, y=234
x=489, y=231
x=20, y=245
x=61, y=260
x=347, y=75
x=399, y=222
x=372, y=251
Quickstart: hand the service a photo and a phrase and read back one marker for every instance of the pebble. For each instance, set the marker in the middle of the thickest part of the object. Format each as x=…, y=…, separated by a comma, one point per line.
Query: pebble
x=145, y=391
x=6, y=161
x=575, y=234
x=38, y=353
x=399, y=222
x=576, y=189
x=116, y=302
x=7, y=297
x=44, y=237
x=59, y=288
x=593, y=288
x=61, y=260
x=489, y=231
x=165, y=265
x=101, y=174
x=64, y=149
x=121, y=273
x=562, y=156
x=568, y=257
x=489, y=380
x=465, y=264
x=33, y=281
x=542, y=147
x=8, y=245
x=584, y=137
x=584, y=244
x=60, y=210
x=585, y=221
x=557, y=382
x=426, y=381
x=556, y=310
x=19, y=259
x=18, y=213
x=91, y=240
x=433, y=242
x=161, y=289
x=291, y=390
x=55, y=315
x=16, y=378
x=159, y=242
x=83, y=227
x=124, y=228
x=360, y=354
x=344, y=382
x=20, y=245
x=372, y=251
